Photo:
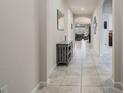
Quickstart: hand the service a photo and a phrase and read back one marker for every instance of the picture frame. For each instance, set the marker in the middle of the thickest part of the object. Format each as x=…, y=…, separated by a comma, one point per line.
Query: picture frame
x=95, y=25
x=60, y=21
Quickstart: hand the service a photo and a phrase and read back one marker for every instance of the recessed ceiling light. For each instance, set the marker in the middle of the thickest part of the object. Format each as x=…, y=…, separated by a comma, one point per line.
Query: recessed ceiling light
x=82, y=9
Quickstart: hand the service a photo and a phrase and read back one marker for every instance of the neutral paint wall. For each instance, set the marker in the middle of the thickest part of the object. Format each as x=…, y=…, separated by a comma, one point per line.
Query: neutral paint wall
x=53, y=35
x=43, y=39
x=19, y=45
x=106, y=16
x=118, y=41
x=71, y=33
x=118, y=38
x=107, y=6
x=70, y=29
x=96, y=37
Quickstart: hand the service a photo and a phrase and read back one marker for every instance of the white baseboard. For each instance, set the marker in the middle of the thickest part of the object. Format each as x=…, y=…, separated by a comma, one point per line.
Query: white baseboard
x=50, y=72
x=122, y=86
x=48, y=81
x=118, y=85
x=38, y=86
x=43, y=84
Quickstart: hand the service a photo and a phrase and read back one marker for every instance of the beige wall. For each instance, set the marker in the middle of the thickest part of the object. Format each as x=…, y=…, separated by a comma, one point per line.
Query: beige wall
x=28, y=41
x=106, y=16
x=42, y=38
x=53, y=35
x=96, y=37
x=22, y=44
x=118, y=38
x=19, y=62
x=70, y=29
x=118, y=41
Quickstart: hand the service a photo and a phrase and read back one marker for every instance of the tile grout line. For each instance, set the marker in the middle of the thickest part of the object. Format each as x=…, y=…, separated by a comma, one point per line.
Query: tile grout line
x=99, y=76
x=84, y=59
x=81, y=75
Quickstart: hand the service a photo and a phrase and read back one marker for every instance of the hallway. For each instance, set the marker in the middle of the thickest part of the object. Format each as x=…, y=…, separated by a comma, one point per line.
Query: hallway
x=30, y=31
x=86, y=73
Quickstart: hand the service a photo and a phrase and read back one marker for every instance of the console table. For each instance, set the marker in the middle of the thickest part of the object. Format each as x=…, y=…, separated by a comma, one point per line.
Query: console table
x=64, y=52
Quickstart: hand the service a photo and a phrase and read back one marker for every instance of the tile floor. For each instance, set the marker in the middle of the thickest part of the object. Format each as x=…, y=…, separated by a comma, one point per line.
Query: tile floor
x=86, y=73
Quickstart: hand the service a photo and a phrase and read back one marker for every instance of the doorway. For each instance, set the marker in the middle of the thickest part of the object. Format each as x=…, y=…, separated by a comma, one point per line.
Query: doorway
x=106, y=36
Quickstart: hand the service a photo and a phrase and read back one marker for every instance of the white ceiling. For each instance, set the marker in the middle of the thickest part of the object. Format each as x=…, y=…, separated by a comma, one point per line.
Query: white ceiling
x=88, y=5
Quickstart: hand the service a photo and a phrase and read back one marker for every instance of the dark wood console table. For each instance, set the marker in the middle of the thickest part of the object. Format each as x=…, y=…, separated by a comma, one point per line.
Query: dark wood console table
x=64, y=52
